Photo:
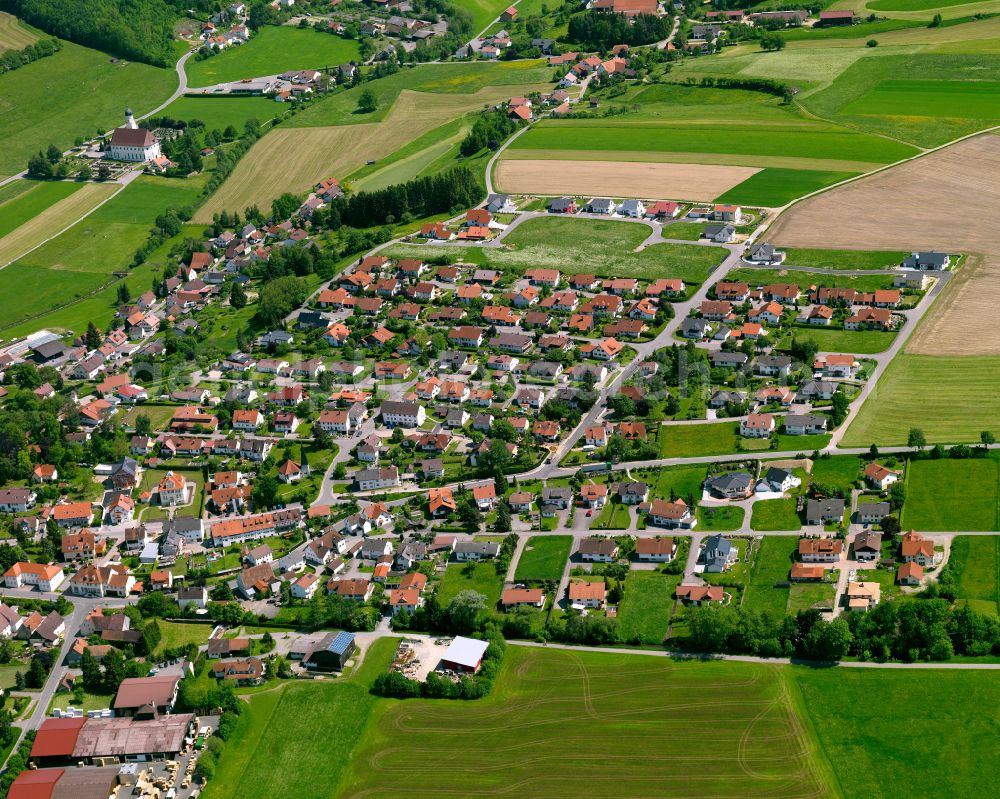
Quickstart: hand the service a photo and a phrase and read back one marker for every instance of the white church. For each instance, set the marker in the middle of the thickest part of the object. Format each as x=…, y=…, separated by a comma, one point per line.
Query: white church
x=132, y=143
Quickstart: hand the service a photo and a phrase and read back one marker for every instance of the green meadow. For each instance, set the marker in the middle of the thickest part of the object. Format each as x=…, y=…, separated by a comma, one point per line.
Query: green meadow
x=976, y=561
x=272, y=50
x=544, y=558
x=578, y=245
x=933, y=98
x=220, y=112
x=72, y=93
x=951, y=494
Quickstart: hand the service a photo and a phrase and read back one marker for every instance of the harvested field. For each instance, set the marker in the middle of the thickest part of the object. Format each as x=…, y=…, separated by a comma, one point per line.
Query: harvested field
x=293, y=159
x=699, y=182
x=949, y=200
x=53, y=219
x=972, y=294
x=13, y=35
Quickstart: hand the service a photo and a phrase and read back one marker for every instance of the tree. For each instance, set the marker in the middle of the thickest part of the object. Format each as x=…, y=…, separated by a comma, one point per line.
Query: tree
x=916, y=438
x=92, y=338
x=103, y=171
x=143, y=425
x=237, y=296
x=37, y=672
x=987, y=438
x=771, y=41
x=265, y=491
x=935, y=22
x=53, y=154
x=367, y=102
x=897, y=495
x=503, y=524
x=39, y=167
x=469, y=515
x=124, y=296
x=891, y=526
x=91, y=672
x=465, y=610
x=871, y=43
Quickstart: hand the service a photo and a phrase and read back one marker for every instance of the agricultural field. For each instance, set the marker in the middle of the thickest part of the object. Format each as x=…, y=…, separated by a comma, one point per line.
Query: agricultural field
x=775, y=514
x=84, y=91
x=544, y=558
x=699, y=139
x=33, y=217
x=332, y=139
x=941, y=201
x=698, y=182
x=976, y=561
x=70, y=280
x=407, y=746
x=574, y=245
x=14, y=34
x=645, y=610
x=29, y=200
x=760, y=277
x=481, y=577
x=771, y=566
x=877, y=751
x=959, y=414
x=950, y=494
x=969, y=295
x=271, y=51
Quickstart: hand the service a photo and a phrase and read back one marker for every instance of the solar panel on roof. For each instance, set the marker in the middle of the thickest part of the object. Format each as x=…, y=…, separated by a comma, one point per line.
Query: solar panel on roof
x=340, y=643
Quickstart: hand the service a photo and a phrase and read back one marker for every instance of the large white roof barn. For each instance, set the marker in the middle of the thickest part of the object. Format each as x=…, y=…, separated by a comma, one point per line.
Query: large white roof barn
x=464, y=654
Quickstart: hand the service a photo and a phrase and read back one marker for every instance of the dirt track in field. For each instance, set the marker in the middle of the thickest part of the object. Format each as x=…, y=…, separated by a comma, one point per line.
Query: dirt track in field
x=949, y=200
x=965, y=320
x=699, y=182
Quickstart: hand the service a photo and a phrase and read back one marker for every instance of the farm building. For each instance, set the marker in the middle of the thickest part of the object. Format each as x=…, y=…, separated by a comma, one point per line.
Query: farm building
x=464, y=655
x=332, y=653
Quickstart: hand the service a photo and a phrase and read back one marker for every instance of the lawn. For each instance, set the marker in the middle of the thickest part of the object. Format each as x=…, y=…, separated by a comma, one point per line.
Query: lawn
x=220, y=112
x=613, y=516
x=720, y=438
x=720, y=520
x=83, y=91
x=28, y=204
x=481, y=577
x=839, y=471
x=575, y=245
x=976, y=560
x=618, y=704
x=177, y=634
x=687, y=440
x=321, y=721
x=774, y=559
x=272, y=50
x=878, y=751
x=775, y=514
x=858, y=342
x=644, y=612
x=544, y=557
x=158, y=415
x=682, y=481
x=774, y=187
x=950, y=494
x=760, y=277
x=843, y=259
x=970, y=404
x=805, y=596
